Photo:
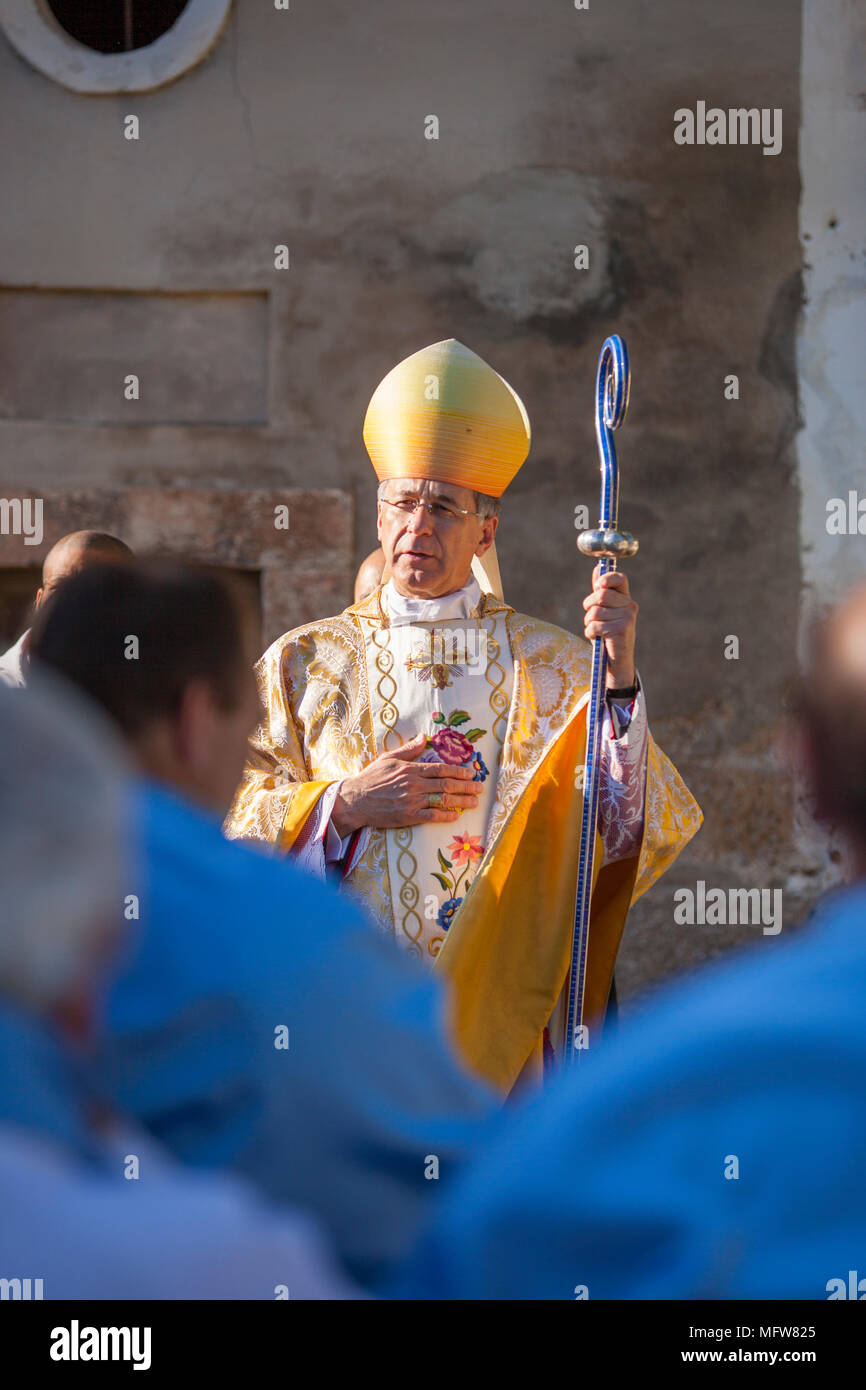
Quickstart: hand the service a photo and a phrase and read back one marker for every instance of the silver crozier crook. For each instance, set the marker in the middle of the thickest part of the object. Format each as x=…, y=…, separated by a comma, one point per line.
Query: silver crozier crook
x=608, y=545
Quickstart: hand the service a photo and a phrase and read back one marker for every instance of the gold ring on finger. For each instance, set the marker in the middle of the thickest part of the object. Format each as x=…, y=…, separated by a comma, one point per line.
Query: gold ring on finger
x=435, y=799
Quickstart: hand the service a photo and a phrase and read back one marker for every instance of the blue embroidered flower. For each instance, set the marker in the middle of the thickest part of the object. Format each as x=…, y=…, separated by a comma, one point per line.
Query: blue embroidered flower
x=446, y=912
x=479, y=767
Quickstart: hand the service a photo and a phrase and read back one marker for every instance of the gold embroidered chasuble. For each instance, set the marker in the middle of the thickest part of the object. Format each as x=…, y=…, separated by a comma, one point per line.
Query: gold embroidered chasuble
x=487, y=899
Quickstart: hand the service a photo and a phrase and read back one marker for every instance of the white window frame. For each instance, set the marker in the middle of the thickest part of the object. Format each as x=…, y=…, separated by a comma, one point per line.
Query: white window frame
x=33, y=32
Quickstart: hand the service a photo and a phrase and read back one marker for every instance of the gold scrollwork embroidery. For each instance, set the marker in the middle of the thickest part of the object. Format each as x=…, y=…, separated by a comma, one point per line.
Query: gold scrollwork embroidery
x=408, y=891
x=389, y=713
x=499, y=702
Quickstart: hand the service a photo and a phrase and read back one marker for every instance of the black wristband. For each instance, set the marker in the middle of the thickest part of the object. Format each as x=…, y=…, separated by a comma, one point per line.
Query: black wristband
x=627, y=692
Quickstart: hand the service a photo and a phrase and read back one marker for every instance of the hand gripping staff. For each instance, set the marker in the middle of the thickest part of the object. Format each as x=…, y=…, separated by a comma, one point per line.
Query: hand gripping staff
x=608, y=545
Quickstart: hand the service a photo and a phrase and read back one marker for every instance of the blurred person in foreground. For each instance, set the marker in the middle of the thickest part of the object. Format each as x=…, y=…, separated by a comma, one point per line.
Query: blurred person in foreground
x=259, y=1022
x=70, y=555
x=715, y=1149
x=89, y=1205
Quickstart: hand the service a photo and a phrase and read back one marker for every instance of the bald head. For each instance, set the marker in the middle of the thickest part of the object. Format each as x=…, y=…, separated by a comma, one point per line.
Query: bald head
x=369, y=576
x=76, y=552
x=832, y=712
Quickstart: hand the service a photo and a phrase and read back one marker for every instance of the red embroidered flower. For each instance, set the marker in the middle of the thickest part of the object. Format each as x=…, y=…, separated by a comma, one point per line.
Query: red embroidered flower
x=465, y=848
x=452, y=747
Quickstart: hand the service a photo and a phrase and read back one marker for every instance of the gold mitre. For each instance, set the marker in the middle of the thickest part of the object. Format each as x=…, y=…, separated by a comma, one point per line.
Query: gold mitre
x=444, y=414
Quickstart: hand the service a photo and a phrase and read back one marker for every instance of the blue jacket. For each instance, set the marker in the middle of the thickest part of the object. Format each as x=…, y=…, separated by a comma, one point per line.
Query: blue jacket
x=716, y=1148
x=235, y=950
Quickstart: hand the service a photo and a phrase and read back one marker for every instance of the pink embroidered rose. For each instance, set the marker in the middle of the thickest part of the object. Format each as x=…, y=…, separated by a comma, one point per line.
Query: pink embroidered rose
x=452, y=747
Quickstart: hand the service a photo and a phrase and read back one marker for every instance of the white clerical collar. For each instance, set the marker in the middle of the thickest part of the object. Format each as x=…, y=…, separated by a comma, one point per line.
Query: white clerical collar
x=458, y=604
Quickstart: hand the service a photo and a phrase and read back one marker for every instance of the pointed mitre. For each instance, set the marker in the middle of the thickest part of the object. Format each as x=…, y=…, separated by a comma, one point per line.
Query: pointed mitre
x=444, y=414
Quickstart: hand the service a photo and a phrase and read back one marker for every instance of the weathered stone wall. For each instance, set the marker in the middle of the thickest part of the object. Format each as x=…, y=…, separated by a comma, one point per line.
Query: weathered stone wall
x=302, y=563
x=306, y=127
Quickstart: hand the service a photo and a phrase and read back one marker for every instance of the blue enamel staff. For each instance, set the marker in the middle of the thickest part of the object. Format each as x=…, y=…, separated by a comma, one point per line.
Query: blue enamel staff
x=606, y=544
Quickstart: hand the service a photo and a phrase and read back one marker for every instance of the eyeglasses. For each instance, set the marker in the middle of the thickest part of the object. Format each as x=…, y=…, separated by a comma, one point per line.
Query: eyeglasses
x=439, y=511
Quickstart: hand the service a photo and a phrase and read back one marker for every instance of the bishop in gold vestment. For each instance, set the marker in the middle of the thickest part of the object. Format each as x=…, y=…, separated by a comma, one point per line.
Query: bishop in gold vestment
x=428, y=742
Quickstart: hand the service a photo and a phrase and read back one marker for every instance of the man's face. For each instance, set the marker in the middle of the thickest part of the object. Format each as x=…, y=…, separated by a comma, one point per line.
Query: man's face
x=431, y=555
